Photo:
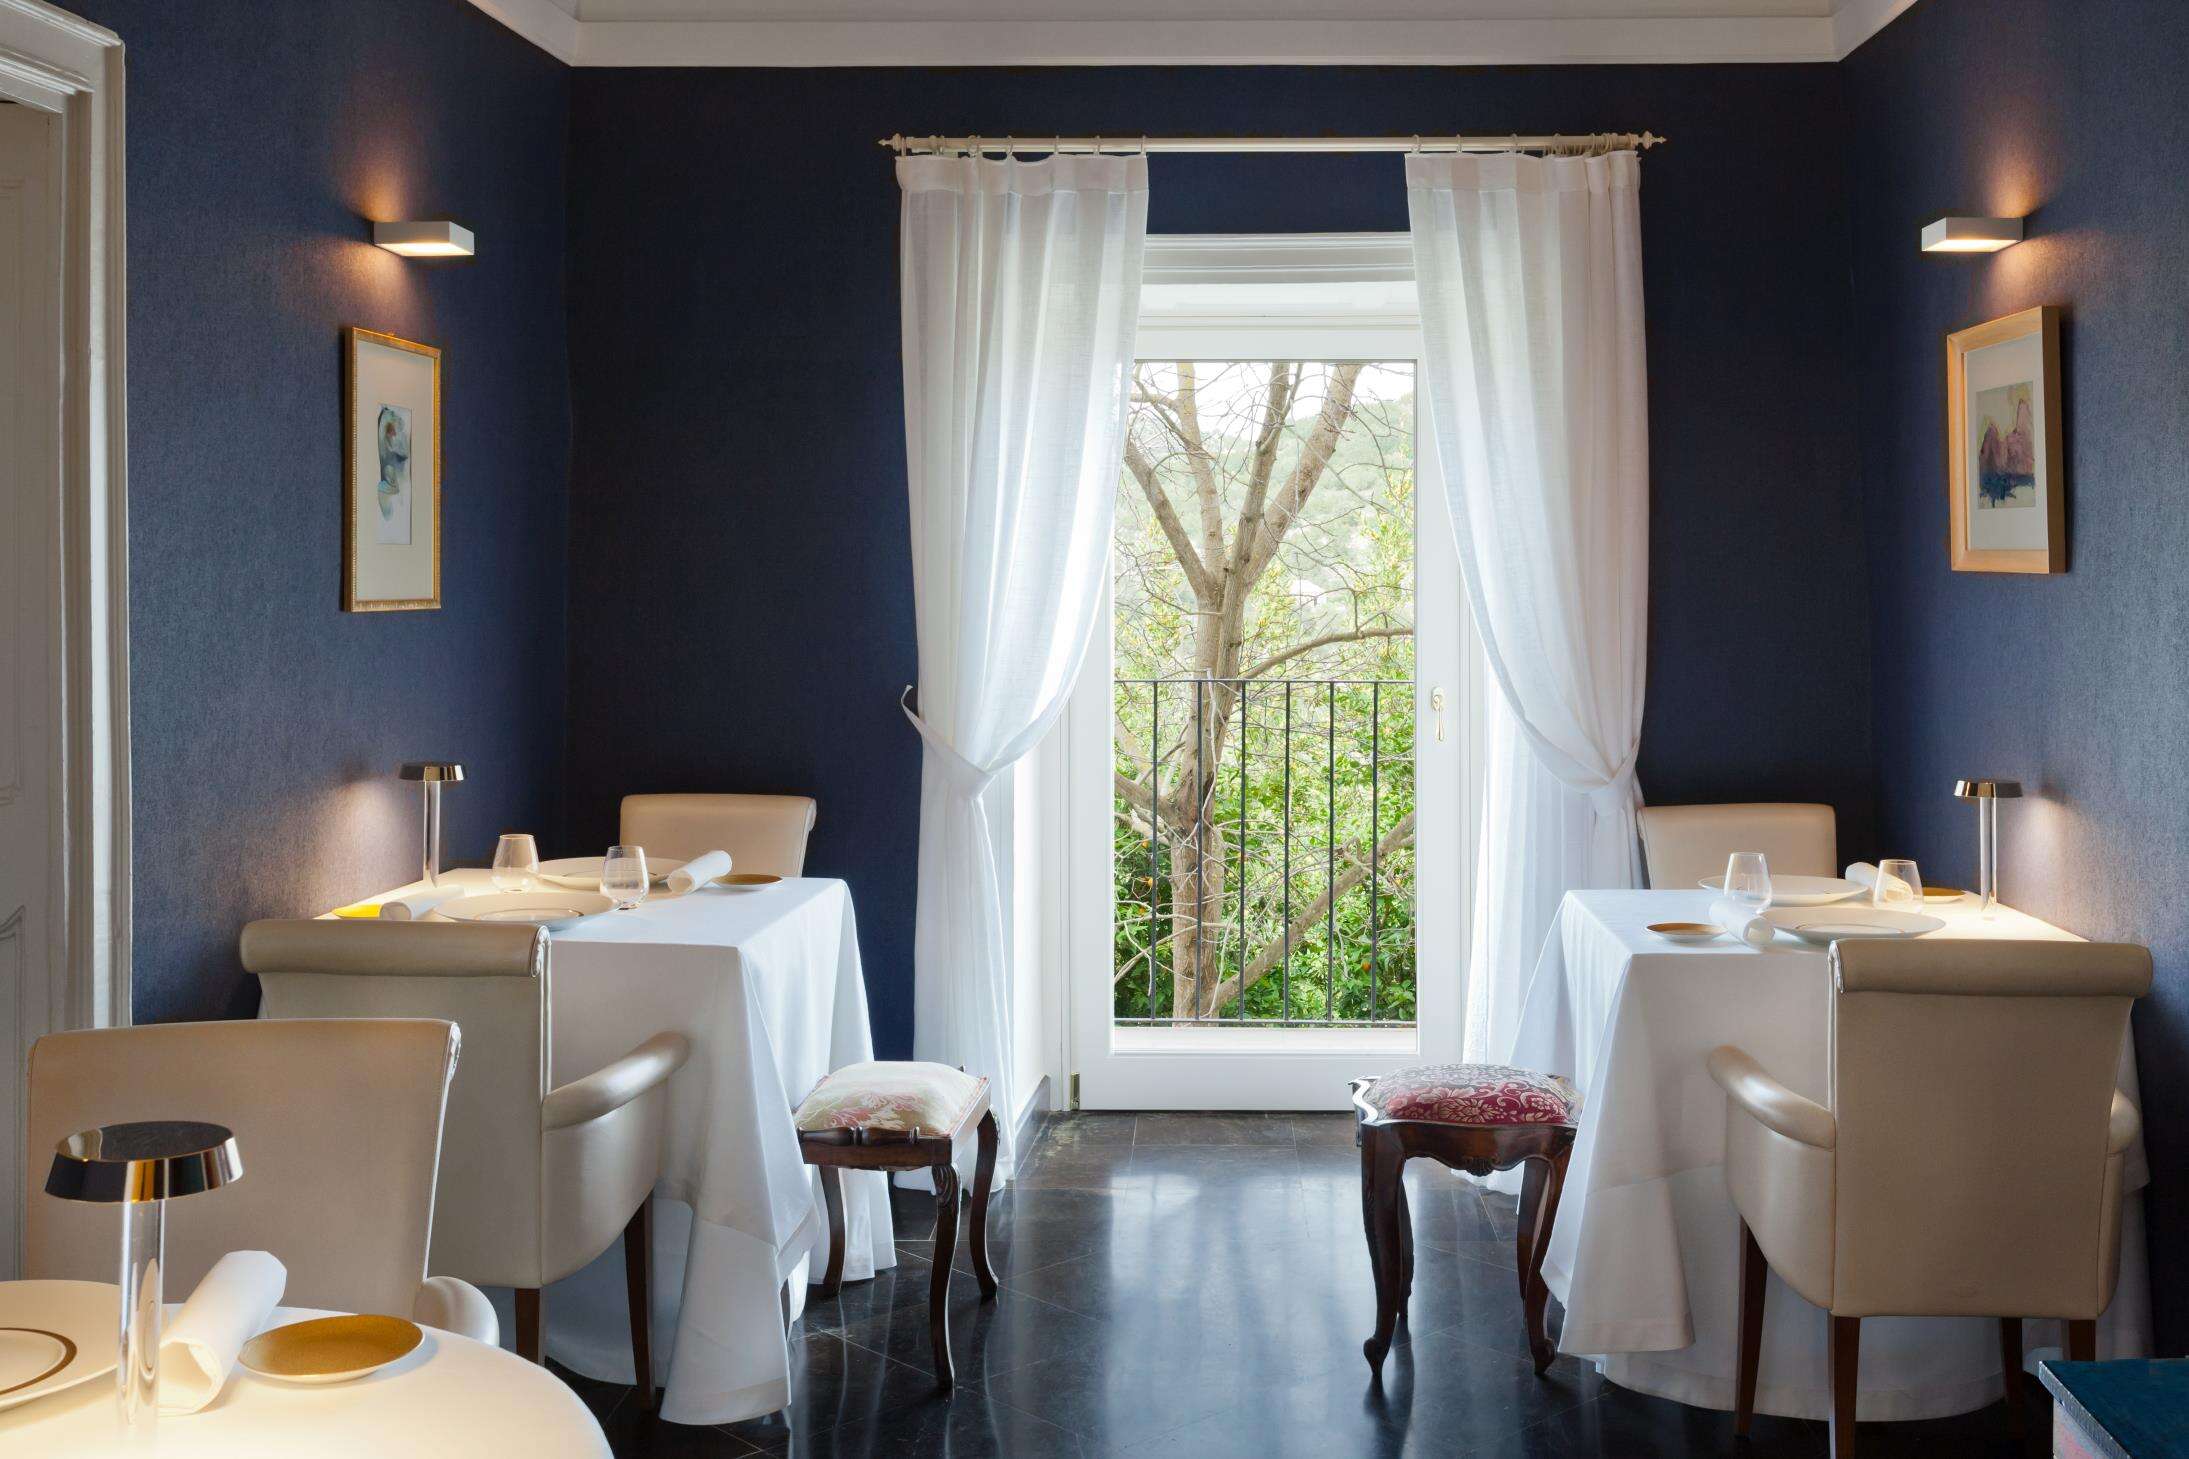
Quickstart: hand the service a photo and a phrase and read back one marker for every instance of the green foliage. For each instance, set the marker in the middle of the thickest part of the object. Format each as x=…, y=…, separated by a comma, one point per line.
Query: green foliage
x=1317, y=751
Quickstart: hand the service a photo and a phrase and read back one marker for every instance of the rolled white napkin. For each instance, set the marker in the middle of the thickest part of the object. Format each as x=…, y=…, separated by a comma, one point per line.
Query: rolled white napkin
x=700, y=870
x=1742, y=923
x=1865, y=874
x=199, y=1348
x=417, y=904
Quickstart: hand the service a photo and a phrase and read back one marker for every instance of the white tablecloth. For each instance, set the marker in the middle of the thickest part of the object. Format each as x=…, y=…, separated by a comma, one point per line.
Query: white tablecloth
x=451, y=1397
x=767, y=986
x=1644, y=1251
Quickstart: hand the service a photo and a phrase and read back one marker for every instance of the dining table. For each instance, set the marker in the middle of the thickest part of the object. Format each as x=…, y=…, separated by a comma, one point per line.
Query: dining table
x=1643, y=1252
x=767, y=986
x=449, y=1398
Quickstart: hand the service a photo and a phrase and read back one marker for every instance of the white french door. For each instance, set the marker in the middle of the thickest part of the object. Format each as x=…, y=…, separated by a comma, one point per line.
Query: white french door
x=1263, y=974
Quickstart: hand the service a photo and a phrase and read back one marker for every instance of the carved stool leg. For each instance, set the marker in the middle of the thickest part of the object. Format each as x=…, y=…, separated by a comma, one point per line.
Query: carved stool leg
x=832, y=1195
x=1543, y=1181
x=1406, y=1253
x=1383, y=1164
x=938, y=1291
x=984, y=1179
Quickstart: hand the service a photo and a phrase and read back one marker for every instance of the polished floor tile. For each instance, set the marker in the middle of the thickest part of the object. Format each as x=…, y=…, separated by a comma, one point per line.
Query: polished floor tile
x=1196, y=1284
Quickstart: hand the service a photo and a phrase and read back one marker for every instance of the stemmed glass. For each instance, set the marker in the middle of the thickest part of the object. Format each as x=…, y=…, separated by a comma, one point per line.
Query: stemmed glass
x=623, y=876
x=516, y=862
x=1748, y=882
x=1899, y=886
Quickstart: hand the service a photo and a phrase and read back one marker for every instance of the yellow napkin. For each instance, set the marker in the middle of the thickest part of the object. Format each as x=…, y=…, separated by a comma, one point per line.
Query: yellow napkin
x=359, y=909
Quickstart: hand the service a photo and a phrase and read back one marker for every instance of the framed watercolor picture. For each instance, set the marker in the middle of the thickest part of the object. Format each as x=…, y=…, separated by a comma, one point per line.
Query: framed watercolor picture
x=2005, y=489
x=391, y=473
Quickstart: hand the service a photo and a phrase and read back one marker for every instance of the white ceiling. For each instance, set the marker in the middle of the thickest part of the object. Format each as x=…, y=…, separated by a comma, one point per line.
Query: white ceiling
x=1189, y=32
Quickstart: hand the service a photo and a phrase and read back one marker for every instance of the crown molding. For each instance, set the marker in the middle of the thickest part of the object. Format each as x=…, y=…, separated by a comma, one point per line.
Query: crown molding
x=1542, y=41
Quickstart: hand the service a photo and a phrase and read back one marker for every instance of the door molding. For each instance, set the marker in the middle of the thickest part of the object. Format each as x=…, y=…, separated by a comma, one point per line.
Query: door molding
x=61, y=64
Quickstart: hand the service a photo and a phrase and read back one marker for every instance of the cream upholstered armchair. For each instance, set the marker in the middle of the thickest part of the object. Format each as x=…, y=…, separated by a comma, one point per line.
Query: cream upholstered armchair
x=536, y=1179
x=765, y=833
x=339, y=1127
x=1967, y=1163
x=1682, y=844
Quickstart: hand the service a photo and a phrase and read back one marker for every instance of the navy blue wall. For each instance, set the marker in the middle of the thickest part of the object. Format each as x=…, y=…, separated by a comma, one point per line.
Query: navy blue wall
x=2069, y=111
x=741, y=598
x=267, y=723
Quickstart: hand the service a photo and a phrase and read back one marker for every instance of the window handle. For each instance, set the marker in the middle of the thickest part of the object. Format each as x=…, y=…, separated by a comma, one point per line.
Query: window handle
x=1436, y=706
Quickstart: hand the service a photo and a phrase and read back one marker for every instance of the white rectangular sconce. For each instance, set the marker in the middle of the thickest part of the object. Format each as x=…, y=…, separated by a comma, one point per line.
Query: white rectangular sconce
x=424, y=240
x=1971, y=235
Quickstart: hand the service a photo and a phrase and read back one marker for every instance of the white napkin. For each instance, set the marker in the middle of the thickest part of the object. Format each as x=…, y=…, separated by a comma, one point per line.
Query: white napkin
x=1865, y=874
x=700, y=870
x=417, y=904
x=199, y=1348
x=1742, y=923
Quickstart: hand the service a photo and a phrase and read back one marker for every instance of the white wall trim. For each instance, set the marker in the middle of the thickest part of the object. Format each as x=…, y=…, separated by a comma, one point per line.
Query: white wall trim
x=1485, y=42
x=62, y=64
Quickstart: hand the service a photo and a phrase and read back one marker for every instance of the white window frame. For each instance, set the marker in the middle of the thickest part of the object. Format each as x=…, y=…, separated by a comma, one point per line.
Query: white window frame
x=1179, y=319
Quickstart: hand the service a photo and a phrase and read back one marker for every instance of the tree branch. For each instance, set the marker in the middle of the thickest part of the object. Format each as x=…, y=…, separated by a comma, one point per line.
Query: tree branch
x=1355, y=635
x=1166, y=517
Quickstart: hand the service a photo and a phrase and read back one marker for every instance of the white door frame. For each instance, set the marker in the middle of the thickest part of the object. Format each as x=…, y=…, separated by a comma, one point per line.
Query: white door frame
x=58, y=63
x=1227, y=1069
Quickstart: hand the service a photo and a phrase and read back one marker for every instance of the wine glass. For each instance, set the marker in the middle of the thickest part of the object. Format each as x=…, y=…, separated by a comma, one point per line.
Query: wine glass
x=516, y=861
x=1899, y=887
x=623, y=876
x=1748, y=882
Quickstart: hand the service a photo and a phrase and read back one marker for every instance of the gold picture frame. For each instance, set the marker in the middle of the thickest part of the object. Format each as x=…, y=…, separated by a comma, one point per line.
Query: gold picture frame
x=2006, y=483
x=391, y=473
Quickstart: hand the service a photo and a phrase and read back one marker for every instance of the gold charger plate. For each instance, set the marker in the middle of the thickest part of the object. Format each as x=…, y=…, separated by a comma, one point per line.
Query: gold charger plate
x=1687, y=931
x=331, y=1349
x=747, y=881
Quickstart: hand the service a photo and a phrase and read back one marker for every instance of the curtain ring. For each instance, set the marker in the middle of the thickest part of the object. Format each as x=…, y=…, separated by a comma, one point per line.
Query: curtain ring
x=1417, y=144
x=1010, y=148
x=1143, y=144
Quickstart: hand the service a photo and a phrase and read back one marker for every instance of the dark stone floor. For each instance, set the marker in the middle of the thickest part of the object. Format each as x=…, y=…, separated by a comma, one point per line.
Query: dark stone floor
x=1197, y=1285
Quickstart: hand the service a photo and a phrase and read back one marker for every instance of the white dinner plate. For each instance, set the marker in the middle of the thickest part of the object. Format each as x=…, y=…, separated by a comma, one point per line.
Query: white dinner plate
x=54, y=1335
x=1801, y=891
x=582, y=873
x=552, y=910
x=1845, y=924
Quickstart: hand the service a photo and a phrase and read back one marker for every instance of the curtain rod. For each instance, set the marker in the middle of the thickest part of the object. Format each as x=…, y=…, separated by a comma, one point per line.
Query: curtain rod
x=1585, y=144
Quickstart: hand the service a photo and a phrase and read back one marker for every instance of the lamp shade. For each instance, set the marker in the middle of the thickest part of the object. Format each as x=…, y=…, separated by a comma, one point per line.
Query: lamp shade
x=148, y=1160
x=1988, y=789
x=1971, y=235
x=446, y=771
x=424, y=240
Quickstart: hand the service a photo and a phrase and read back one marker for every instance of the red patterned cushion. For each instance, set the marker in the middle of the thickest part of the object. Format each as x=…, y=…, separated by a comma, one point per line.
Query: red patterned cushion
x=1476, y=1094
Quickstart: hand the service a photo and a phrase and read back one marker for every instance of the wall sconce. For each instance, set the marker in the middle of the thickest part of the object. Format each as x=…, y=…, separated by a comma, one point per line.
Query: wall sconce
x=1971, y=235
x=425, y=240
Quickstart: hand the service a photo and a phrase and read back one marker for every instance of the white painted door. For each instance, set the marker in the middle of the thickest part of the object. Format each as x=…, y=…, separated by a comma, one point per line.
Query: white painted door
x=1283, y=1053
x=30, y=491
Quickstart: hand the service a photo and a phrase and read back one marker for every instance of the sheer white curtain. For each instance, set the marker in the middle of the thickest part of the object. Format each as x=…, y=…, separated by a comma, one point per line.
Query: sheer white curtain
x=1530, y=275
x=1021, y=296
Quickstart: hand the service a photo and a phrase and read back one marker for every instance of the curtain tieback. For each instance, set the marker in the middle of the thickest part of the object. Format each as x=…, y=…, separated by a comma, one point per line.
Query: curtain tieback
x=968, y=779
x=1617, y=795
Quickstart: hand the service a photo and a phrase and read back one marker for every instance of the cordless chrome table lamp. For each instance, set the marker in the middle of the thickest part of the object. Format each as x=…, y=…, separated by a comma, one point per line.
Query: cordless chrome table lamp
x=434, y=774
x=140, y=1167
x=1987, y=794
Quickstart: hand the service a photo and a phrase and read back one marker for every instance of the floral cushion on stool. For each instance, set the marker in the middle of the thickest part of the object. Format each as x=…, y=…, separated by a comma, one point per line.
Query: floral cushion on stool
x=1475, y=1094
x=891, y=1095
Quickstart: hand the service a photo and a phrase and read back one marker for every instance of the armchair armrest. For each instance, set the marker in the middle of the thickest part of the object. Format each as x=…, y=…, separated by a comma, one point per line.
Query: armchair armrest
x=1771, y=1103
x=606, y=1090
x=2123, y=1127
x=454, y=1305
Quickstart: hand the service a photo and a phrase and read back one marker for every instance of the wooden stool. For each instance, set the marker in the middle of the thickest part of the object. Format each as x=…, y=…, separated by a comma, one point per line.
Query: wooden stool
x=1472, y=1117
x=904, y=1116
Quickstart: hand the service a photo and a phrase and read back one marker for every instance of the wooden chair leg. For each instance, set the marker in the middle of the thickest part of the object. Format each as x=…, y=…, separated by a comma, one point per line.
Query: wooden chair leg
x=984, y=1180
x=938, y=1291
x=1755, y=1276
x=638, y=1253
x=528, y=1324
x=1383, y=1165
x=1406, y=1253
x=832, y=1276
x=2010, y=1363
x=1845, y=1360
x=1540, y=1184
x=2082, y=1340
